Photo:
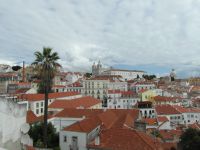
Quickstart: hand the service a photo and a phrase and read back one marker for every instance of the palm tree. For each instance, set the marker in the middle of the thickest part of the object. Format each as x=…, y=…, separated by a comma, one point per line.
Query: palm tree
x=46, y=67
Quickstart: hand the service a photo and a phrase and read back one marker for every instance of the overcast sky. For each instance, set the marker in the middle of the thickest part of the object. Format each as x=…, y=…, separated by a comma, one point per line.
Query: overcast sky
x=155, y=35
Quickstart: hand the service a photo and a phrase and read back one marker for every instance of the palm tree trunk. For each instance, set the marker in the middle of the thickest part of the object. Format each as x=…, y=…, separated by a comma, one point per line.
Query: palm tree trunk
x=45, y=116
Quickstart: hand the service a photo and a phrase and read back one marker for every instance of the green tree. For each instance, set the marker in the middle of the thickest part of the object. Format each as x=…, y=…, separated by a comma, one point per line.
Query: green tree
x=88, y=75
x=46, y=67
x=190, y=139
x=35, y=133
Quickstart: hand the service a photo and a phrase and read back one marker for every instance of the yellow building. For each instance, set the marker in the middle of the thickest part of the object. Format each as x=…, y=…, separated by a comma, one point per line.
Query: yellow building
x=147, y=95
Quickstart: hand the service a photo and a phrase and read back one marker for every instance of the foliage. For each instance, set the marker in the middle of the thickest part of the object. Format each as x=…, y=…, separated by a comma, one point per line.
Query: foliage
x=16, y=68
x=149, y=77
x=36, y=133
x=88, y=75
x=156, y=133
x=46, y=67
x=190, y=139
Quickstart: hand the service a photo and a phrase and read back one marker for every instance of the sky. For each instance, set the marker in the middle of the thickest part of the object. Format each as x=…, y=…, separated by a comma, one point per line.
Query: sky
x=155, y=35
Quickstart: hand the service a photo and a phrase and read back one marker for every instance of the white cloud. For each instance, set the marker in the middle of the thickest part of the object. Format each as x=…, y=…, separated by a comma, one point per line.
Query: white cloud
x=132, y=32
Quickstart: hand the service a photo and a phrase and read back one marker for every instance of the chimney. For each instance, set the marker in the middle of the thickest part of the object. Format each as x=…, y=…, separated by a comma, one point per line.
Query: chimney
x=97, y=140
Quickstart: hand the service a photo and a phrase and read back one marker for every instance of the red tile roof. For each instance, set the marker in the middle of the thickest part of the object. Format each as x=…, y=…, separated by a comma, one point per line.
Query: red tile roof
x=118, y=118
x=170, y=134
x=86, y=125
x=31, y=117
x=164, y=98
x=114, y=91
x=83, y=102
x=162, y=119
x=75, y=84
x=30, y=148
x=125, y=139
x=166, y=110
x=108, y=118
x=150, y=121
x=37, y=97
x=7, y=75
x=142, y=90
x=195, y=126
x=24, y=84
x=58, y=86
x=186, y=110
x=78, y=113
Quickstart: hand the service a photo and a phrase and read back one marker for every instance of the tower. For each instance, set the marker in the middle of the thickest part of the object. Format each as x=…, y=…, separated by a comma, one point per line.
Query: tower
x=94, y=67
x=172, y=75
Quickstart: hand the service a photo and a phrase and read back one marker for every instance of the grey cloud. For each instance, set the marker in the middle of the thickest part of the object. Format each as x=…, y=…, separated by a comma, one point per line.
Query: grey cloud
x=115, y=31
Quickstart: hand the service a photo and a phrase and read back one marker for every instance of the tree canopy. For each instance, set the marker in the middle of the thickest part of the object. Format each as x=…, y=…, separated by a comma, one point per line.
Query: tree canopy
x=36, y=133
x=190, y=139
x=46, y=67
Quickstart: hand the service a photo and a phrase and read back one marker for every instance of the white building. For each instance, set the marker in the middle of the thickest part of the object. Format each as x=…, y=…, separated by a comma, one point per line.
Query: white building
x=125, y=74
x=80, y=134
x=173, y=115
x=98, y=86
x=121, y=99
x=190, y=115
x=138, y=86
x=35, y=102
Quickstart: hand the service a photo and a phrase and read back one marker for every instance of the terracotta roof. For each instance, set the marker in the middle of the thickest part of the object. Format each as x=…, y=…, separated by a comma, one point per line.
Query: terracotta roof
x=170, y=134
x=128, y=93
x=37, y=97
x=31, y=117
x=83, y=102
x=86, y=125
x=58, y=86
x=166, y=110
x=7, y=75
x=21, y=91
x=125, y=139
x=24, y=84
x=164, y=98
x=142, y=90
x=108, y=118
x=186, y=110
x=162, y=119
x=75, y=84
x=29, y=147
x=150, y=121
x=78, y=113
x=114, y=91
x=195, y=126
x=118, y=118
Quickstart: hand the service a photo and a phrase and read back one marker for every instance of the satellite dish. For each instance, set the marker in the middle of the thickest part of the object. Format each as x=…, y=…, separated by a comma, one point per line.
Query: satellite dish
x=25, y=128
x=25, y=139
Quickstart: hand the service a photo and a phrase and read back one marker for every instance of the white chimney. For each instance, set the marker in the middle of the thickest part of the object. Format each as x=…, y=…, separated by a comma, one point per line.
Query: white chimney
x=97, y=140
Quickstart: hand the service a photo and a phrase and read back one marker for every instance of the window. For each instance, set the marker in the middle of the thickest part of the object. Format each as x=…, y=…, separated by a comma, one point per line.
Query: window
x=37, y=111
x=65, y=138
x=41, y=110
x=41, y=104
x=37, y=105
